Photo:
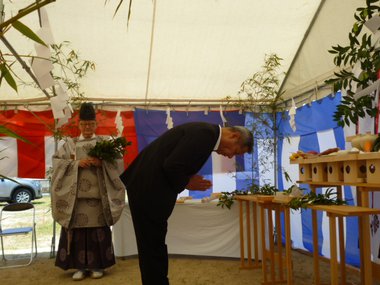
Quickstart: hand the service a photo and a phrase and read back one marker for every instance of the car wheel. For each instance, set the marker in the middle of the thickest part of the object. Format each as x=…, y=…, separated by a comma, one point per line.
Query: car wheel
x=22, y=196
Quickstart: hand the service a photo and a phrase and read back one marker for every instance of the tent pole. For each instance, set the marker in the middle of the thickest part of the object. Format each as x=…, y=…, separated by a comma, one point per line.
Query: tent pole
x=53, y=238
x=150, y=52
x=301, y=44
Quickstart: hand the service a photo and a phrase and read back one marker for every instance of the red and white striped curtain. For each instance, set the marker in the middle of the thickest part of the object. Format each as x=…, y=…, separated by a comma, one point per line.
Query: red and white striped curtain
x=33, y=159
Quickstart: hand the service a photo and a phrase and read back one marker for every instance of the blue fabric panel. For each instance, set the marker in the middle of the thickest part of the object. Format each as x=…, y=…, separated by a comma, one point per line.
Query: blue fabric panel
x=150, y=125
x=314, y=118
x=280, y=180
x=352, y=241
x=213, y=117
x=261, y=124
x=323, y=112
x=339, y=137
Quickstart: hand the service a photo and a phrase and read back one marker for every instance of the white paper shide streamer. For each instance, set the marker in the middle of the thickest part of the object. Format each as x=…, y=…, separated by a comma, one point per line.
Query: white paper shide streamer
x=119, y=124
x=292, y=115
x=41, y=64
x=224, y=120
x=169, y=119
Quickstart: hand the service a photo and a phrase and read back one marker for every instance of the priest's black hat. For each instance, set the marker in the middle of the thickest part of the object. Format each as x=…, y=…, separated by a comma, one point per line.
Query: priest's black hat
x=87, y=112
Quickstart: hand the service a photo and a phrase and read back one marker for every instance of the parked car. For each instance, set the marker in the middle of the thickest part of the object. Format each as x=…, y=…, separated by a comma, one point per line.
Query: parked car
x=24, y=190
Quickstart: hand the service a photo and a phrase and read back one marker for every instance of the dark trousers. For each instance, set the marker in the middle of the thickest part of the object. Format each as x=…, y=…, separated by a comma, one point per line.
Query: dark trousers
x=150, y=224
x=90, y=248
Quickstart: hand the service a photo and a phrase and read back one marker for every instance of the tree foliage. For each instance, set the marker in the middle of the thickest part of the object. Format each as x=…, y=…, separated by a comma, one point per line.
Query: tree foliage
x=360, y=50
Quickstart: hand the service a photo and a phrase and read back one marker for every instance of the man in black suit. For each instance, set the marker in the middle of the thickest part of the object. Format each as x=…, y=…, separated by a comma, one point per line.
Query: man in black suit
x=162, y=170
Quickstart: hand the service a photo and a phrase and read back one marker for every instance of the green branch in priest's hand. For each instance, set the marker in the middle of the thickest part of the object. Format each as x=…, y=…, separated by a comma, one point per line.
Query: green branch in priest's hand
x=110, y=150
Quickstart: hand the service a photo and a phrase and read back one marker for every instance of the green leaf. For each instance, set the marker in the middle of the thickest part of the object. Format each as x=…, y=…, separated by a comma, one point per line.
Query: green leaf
x=27, y=32
x=7, y=132
x=7, y=76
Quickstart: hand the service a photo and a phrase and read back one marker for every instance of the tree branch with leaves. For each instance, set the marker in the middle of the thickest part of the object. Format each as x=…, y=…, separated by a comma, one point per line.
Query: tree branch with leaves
x=361, y=51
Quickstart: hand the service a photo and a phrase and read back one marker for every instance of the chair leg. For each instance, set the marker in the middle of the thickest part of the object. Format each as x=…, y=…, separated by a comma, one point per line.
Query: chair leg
x=2, y=248
x=35, y=241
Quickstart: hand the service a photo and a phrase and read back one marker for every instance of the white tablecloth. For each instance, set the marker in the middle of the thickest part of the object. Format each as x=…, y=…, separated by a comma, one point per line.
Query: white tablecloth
x=194, y=228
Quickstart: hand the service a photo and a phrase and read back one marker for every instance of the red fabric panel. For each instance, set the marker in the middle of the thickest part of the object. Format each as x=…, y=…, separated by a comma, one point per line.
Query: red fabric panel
x=35, y=126
x=129, y=133
x=27, y=124
x=31, y=157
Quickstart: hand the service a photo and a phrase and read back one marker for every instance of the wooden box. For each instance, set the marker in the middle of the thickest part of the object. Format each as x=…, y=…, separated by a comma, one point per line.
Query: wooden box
x=319, y=172
x=304, y=171
x=355, y=171
x=373, y=166
x=335, y=171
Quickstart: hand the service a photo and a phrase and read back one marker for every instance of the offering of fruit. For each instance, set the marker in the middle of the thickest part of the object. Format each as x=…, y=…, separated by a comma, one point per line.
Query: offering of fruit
x=330, y=150
x=367, y=146
x=298, y=154
x=312, y=153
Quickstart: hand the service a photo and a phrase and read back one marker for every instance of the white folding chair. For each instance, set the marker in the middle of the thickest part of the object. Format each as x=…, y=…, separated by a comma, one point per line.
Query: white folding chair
x=18, y=219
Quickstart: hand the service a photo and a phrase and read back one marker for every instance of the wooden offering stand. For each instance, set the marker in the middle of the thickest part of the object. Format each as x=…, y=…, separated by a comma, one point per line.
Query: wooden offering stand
x=361, y=170
x=270, y=254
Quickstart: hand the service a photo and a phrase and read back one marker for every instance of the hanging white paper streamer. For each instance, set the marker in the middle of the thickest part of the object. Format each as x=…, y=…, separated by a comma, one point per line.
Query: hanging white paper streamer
x=292, y=115
x=45, y=32
x=368, y=90
x=56, y=107
x=224, y=120
x=41, y=65
x=59, y=102
x=356, y=70
x=119, y=124
x=169, y=119
x=67, y=111
x=373, y=24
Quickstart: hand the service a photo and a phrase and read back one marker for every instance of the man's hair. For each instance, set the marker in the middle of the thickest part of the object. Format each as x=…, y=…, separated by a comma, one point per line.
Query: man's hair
x=246, y=137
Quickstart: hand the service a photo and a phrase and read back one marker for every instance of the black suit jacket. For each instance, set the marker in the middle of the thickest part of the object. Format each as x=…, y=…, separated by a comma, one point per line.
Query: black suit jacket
x=169, y=161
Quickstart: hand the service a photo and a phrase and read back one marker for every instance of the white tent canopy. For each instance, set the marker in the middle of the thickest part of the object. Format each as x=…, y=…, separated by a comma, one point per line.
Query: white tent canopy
x=190, y=50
